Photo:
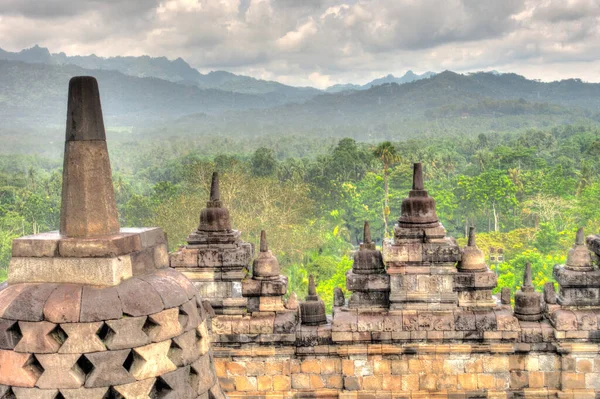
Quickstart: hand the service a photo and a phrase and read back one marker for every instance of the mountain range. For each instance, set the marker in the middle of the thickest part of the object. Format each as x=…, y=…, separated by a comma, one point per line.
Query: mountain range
x=158, y=98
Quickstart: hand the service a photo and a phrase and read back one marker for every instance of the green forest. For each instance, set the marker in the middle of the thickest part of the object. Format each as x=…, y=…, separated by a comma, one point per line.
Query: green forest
x=526, y=192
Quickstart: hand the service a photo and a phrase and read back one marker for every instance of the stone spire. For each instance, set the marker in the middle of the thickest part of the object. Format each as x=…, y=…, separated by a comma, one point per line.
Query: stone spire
x=88, y=206
x=367, y=280
x=579, y=256
x=215, y=217
x=266, y=264
x=528, y=302
x=367, y=241
x=473, y=259
x=419, y=208
x=312, y=311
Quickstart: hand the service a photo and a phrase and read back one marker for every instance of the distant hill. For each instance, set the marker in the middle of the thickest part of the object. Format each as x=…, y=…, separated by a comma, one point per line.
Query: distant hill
x=408, y=77
x=177, y=71
x=36, y=94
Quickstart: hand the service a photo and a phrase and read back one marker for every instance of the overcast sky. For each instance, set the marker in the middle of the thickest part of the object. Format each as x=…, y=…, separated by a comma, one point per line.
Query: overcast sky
x=322, y=42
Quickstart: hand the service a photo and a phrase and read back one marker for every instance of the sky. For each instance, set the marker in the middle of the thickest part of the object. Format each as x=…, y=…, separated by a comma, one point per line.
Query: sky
x=322, y=42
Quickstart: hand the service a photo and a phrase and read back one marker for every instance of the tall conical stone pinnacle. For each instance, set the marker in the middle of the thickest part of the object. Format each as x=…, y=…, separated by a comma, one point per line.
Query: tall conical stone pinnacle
x=88, y=200
x=418, y=177
x=471, y=242
x=312, y=289
x=367, y=234
x=527, y=277
x=264, y=247
x=579, y=238
x=214, y=187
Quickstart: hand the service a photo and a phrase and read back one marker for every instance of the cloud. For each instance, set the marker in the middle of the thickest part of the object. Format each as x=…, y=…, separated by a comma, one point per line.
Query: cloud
x=318, y=42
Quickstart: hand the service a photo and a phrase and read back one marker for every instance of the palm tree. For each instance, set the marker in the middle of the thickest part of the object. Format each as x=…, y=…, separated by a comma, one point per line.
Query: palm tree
x=387, y=153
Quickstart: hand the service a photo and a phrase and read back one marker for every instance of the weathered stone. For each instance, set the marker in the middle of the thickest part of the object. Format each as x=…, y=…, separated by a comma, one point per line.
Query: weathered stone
x=108, y=368
x=60, y=371
x=312, y=311
x=152, y=360
x=549, y=293
x=99, y=304
x=265, y=265
x=92, y=271
x=82, y=338
x=136, y=390
x=164, y=325
x=138, y=298
x=39, y=337
x=85, y=393
x=338, y=297
x=177, y=384
x=29, y=303
x=104, y=246
x=126, y=333
x=64, y=304
x=19, y=369
x=170, y=292
x=8, y=294
x=184, y=349
x=505, y=296
x=10, y=334
x=528, y=303
x=38, y=245
x=34, y=393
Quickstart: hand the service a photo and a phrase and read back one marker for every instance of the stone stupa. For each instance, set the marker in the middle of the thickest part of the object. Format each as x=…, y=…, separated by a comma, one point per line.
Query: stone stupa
x=93, y=310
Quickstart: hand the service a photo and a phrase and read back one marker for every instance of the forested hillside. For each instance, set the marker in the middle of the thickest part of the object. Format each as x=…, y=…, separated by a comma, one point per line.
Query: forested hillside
x=526, y=192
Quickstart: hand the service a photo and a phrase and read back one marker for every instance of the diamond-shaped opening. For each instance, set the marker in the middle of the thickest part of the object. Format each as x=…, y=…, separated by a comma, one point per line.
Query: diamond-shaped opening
x=104, y=332
x=34, y=366
x=59, y=334
x=129, y=361
x=183, y=317
x=59, y=396
x=160, y=389
x=174, y=352
x=194, y=377
x=14, y=335
x=83, y=367
x=9, y=394
x=150, y=327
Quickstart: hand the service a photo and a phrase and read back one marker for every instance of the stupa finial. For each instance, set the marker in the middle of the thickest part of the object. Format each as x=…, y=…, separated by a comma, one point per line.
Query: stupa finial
x=579, y=238
x=88, y=206
x=527, y=277
x=312, y=289
x=418, y=177
x=264, y=247
x=214, y=187
x=367, y=233
x=471, y=242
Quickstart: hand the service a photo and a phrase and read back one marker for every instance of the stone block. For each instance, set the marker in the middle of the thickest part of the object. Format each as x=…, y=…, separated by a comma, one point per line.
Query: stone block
x=10, y=334
x=99, y=304
x=108, y=368
x=38, y=337
x=136, y=390
x=282, y=383
x=186, y=284
x=177, y=384
x=38, y=245
x=163, y=325
x=138, y=298
x=64, y=304
x=126, y=333
x=184, y=349
x=285, y=322
x=90, y=271
x=271, y=304
x=60, y=371
x=171, y=293
x=142, y=262
x=28, y=303
x=34, y=393
x=245, y=384
x=276, y=287
x=188, y=315
x=152, y=360
x=82, y=338
x=160, y=254
x=85, y=393
x=8, y=294
x=185, y=257
x=105, y=246
x=18, y=369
